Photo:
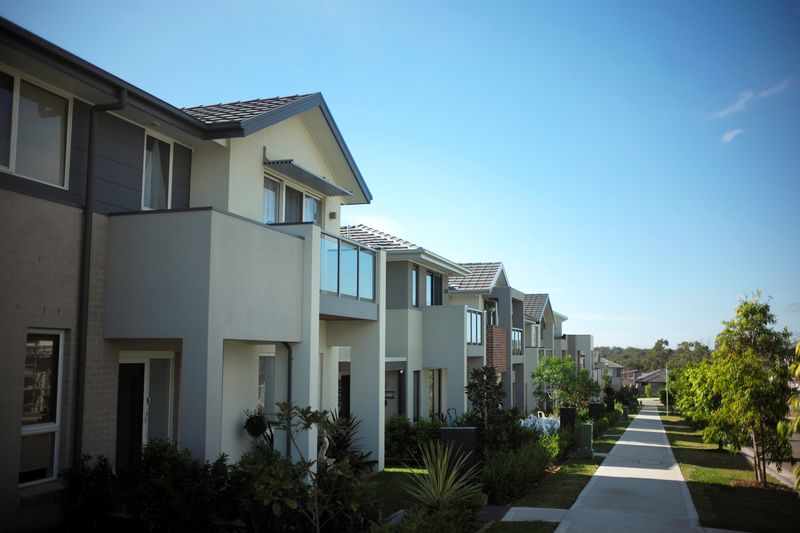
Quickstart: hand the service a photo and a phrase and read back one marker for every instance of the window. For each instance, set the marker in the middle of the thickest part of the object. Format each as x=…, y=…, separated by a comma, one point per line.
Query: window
x=312, y=210
x=157, y=173
x=41, y=407
x=433, y=289
x=415, y=286
x=346, y=269
x=474, y=327
x=34, y=131
x=516, y=342
x=271, y=195
x=293, y=207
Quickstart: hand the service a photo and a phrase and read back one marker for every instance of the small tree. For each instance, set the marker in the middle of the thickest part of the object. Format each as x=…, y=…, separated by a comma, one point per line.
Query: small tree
x=751, y=378
x=788, y=427
x=553, y=378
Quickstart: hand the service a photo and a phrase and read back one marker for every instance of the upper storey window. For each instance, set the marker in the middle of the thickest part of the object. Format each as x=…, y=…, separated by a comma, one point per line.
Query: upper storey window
x=283, y=203
x=433, y=289
x=34, y=131
x=156, y=186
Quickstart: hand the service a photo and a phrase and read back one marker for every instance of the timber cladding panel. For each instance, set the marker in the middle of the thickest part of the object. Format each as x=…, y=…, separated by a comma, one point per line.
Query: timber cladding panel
x=497, y=348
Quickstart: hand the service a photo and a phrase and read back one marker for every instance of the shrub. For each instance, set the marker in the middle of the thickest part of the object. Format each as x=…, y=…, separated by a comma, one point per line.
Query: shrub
x=647, y=392
x=508, y=474
x=403, y=438
x=449, y=494
x=89, y=493
x=600, y=426
x=166, y=489
x=567, y=440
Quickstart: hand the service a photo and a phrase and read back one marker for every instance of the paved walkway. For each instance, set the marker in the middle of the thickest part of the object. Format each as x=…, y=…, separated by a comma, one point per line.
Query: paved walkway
x=639, y=487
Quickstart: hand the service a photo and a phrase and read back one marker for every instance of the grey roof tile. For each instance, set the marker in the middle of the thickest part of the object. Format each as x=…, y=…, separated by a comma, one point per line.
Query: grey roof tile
x=481, y=277
x=375, y=238
x=534, y=305
x=239, y=111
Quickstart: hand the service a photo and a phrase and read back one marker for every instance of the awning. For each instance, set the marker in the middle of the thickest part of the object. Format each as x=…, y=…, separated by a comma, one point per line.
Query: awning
x=289, y=169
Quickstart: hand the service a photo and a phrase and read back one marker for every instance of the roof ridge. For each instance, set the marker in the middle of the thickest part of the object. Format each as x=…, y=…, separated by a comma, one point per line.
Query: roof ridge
x=239, y=102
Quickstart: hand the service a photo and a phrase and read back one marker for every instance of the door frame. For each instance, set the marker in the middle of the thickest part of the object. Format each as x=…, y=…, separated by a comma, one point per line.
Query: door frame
x=144, y=357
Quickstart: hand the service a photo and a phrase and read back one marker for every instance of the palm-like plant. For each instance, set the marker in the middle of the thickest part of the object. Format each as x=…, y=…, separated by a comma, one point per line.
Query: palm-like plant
x=449, y=484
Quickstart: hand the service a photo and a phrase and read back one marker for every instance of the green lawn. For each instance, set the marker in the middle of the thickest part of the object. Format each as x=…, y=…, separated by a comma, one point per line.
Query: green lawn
x=522, y=527
x=560, y=489
x=709, y=472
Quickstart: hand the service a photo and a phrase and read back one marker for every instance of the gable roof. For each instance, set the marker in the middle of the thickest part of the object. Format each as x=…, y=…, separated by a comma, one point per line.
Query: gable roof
x=656, y=376
x=534, y=305
x=220, y=121
x=610, y=364
x=481, y=278
x=376, y=239
x=401, y=250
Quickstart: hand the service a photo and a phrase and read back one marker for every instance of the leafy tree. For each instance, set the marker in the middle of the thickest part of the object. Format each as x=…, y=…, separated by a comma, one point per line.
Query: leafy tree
x=558, y=382
x=751, y=378
x=788, y=427
x=688, y=352
x=659, y=355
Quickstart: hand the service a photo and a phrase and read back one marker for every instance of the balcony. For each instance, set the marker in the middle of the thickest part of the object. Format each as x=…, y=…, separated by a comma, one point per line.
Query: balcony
x=347, y=279
x=451, y=334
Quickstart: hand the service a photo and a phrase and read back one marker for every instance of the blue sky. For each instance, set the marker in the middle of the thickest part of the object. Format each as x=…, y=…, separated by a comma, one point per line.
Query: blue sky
x=639, y=161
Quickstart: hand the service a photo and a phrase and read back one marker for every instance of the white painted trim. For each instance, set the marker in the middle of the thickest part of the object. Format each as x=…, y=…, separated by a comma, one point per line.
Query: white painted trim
x=170, y=142
x=144, y=357
x=19, y=76
x=53, y=427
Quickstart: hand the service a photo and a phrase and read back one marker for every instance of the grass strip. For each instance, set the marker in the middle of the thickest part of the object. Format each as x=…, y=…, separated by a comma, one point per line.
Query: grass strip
x=560, y=487
x=709, y=472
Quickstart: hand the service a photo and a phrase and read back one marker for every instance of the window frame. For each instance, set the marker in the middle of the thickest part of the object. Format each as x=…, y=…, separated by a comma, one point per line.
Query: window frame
x=415, y=286
x=278, y=200
x=431, y=299
x=171, y=143
x=281, y=208
x=474, y=327
x=47, y=427
x=19, y=76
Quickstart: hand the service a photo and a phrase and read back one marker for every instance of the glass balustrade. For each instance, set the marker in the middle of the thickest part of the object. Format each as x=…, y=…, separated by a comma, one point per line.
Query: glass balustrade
x=347, y=269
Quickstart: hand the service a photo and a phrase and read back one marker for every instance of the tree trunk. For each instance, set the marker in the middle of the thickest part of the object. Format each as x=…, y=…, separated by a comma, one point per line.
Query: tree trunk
x=756, y=457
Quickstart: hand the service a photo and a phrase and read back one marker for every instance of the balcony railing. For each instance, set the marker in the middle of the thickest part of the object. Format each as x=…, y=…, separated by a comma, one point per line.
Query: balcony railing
x=474, y=327
x=516, y=342
x=346, y=268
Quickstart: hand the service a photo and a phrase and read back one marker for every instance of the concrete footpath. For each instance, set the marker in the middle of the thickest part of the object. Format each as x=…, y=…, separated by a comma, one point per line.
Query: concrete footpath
x=639, y=487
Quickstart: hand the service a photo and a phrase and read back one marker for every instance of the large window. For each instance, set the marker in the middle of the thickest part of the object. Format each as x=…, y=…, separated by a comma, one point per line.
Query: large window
x=433, y=289
x=474, y=327
x=41, y=407
x=293, y=205
x=157, y=174
x=34, y=131
x=516, y=342
x=284, y=203
x=415, y=286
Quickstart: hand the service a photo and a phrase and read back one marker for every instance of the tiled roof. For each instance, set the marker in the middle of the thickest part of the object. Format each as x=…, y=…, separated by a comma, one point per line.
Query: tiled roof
x=534, y=305
x=238, y=111
x=610, y=364
x=481, y=277
x=376, y=239
x=656, y=376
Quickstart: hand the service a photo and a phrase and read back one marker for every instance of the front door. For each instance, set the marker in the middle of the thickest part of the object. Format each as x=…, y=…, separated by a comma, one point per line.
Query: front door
x=130, y=412
x=143, y=404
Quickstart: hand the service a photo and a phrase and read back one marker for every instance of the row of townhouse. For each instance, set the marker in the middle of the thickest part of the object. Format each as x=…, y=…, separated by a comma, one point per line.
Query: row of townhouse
x=163, y=270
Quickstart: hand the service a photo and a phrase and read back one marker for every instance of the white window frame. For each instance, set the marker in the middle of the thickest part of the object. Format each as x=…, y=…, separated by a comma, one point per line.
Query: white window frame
x=18, y=77
x=279, y=199
x=144, y=357
x=282, y=184
x=48, y=427
x=171, y=143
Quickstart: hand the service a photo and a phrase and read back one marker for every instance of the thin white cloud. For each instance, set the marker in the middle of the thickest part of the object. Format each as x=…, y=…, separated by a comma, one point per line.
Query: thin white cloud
x=731, y=135
x=775, y=89
x=738, y=105
x=748, y=96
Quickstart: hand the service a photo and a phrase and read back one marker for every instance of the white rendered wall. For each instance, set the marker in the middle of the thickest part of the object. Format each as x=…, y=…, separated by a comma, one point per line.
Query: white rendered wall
x=239, y=392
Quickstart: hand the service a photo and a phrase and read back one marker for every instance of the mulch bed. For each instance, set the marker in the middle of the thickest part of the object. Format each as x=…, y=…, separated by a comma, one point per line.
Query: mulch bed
x=753, y=484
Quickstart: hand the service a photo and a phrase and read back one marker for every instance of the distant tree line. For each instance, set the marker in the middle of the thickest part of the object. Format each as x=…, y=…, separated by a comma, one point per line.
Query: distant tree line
x=659, y=356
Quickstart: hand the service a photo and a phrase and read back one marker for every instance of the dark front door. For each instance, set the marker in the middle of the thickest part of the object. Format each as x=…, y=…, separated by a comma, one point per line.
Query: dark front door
x=344, y=396
x=130, y=412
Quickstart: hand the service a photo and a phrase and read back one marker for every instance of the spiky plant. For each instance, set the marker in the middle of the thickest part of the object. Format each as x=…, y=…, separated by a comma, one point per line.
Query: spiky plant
x=449, y=483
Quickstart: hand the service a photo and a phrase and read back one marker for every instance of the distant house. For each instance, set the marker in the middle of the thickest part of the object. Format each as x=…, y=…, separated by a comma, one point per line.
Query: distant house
x=656, y=379
x=629, y=377
x=614, y=370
